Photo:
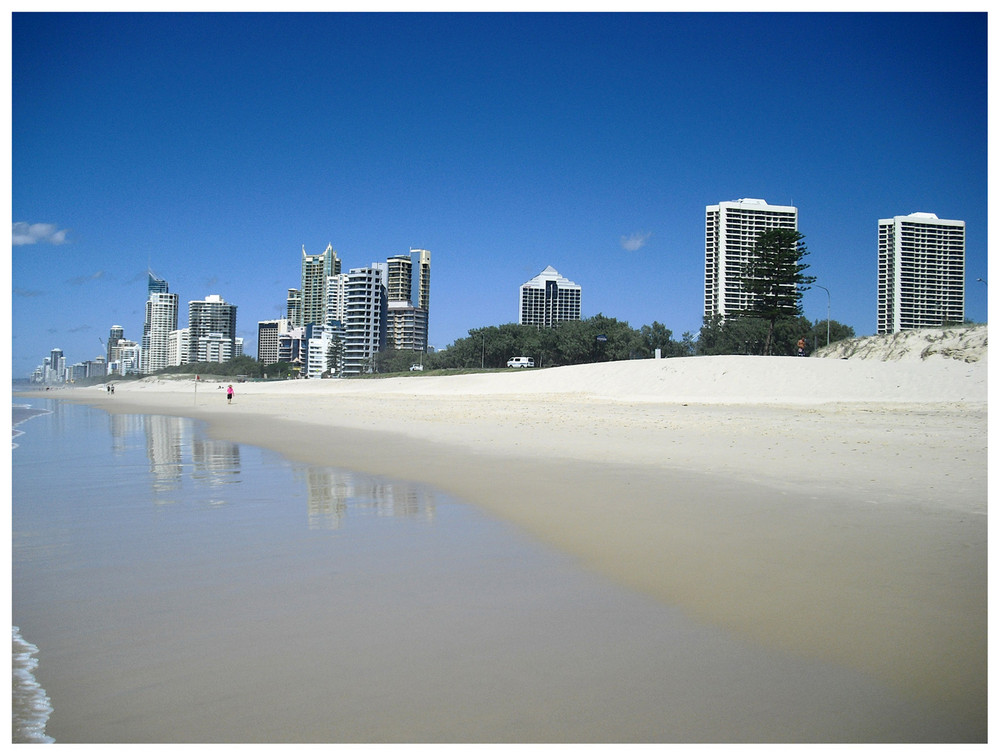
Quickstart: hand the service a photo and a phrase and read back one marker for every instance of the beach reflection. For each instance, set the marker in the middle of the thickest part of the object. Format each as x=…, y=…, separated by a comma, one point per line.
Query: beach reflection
x=179, y=453
x=333, y=494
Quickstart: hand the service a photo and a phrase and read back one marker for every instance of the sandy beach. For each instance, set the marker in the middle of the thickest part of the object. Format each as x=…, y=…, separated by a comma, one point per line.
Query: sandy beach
x=830, y=508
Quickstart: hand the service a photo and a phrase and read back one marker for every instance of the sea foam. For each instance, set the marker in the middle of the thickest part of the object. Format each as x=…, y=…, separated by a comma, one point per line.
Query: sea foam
x=30, y=706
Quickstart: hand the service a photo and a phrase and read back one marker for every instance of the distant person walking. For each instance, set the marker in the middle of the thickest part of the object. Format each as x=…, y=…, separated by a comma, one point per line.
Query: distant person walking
x=229, y=394
x=802, y=347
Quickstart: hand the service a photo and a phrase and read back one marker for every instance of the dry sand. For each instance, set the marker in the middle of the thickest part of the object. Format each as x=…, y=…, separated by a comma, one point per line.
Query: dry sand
x=833, y=508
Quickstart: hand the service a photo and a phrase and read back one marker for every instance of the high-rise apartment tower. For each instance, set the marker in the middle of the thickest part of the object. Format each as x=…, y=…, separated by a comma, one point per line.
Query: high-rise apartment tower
x=731, y=230
x=116, y=334
x=316, y=270
x=921, y=272
x=548, y=299
x=408, y=289
x=161, y=319
x=365, y=312
x=212, y=326
x=268, y=335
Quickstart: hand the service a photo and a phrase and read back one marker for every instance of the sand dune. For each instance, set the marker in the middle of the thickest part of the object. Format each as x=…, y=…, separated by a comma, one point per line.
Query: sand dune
x=965, y=343
x=878, y=369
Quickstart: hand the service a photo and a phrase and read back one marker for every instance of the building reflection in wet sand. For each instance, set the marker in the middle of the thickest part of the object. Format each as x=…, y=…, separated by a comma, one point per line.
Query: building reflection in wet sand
x=177, y=448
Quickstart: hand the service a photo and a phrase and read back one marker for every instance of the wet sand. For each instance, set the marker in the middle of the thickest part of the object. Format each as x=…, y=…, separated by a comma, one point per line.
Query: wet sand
x=850, y=529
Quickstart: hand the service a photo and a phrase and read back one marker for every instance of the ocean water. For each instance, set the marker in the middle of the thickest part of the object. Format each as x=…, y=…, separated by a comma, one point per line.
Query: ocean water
x=30, y=706
x=170, y=587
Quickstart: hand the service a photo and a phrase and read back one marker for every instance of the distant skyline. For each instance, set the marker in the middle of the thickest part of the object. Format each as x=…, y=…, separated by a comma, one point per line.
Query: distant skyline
x=210, y=148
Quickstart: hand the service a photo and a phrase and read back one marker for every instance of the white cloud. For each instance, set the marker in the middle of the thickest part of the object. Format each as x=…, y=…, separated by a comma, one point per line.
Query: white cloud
x=632, y=242
x=32, y=233
x=79, y=280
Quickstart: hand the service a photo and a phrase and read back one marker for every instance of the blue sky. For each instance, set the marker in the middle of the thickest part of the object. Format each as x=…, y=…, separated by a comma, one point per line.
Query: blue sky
x=211, y=148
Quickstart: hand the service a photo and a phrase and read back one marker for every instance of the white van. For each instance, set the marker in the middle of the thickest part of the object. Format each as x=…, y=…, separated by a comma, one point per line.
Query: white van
x=521, y=362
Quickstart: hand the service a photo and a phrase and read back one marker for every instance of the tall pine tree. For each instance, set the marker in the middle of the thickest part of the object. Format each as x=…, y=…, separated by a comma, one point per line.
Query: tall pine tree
x=775, y=278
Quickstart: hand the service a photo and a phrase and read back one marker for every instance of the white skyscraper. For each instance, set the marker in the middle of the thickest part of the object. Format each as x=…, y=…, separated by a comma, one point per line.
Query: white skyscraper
x=548, y=299
x=179, y=347
x=921, y=272
x=731, y=230
x=161, y=319
x=212, y=326
x=365, y=315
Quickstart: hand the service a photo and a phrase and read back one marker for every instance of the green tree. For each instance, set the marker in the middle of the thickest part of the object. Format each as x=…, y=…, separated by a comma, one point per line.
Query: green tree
x=658, y=336
x=775, y=278
x=335, y=355
x=740, y=335
x=396, y=360
x=278, y=370
x=746, y=335
x=816, y=336
x=596, y=339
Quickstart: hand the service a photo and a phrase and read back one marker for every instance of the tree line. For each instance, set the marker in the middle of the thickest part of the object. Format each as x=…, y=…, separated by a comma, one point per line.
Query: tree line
x=604, y=339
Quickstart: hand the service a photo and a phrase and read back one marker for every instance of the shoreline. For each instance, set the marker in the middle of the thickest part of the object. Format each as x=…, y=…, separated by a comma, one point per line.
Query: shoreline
x=848, y=531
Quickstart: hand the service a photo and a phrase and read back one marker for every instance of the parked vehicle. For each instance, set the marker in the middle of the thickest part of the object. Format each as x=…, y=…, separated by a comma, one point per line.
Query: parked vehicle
x=521, y=362
x=416, y=366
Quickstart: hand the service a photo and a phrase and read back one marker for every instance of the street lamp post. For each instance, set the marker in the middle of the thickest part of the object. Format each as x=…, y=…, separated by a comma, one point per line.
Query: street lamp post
x=827, y=312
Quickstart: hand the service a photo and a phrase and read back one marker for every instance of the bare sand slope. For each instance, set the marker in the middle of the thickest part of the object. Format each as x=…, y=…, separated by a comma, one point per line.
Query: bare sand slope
x=713, y=380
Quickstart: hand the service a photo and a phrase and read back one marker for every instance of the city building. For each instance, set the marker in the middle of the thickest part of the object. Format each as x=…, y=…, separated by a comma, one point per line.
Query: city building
x=731, y=231
x=365, y=316
x=268, y=332
x=155, y=284
x=179, y=347
x=293, y=308
x=305, y=348
x=293, y=346
x=129, y=358
x=408, y=278
x=406, y=326
x=316, y=270
x=318, y=362
x=548, y=299
x=56, y=367
x=116, y=334
x=921, y=272
x=408, y=284
x=161, y=319
x=336, y=297
x=211, y=321
x=97, y=368
x=215, y=347
x=76, y=372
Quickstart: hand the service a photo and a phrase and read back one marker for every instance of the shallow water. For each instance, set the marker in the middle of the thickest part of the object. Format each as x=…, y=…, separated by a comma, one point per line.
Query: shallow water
x=184, y=589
